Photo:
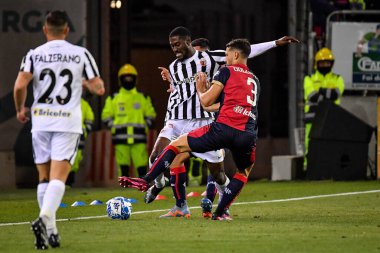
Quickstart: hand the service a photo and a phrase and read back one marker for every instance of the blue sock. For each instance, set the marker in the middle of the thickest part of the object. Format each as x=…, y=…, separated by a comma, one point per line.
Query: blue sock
x=162, y=163
x=211, y=188
x=177, y=182
x=231, y=192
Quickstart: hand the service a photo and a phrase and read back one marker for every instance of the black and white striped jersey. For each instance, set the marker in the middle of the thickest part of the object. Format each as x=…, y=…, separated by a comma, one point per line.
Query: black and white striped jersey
x=184, y=101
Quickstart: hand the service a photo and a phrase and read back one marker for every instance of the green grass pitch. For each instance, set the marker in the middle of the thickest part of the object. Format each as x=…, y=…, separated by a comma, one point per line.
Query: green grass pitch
x=268, y=217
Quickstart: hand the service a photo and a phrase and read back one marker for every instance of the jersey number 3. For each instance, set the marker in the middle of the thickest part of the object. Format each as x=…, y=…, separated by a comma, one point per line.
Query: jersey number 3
x=45, y=98
x=252, y=100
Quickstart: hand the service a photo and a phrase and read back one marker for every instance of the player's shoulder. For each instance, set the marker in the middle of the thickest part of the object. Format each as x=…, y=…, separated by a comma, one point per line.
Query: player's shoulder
x=223, y=73
x=218, y=52
x=77, y=48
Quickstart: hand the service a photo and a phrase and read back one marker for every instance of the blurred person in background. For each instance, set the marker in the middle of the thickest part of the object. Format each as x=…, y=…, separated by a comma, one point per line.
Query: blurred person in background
x=129, y=114
x=87, y=124
x=320, y=86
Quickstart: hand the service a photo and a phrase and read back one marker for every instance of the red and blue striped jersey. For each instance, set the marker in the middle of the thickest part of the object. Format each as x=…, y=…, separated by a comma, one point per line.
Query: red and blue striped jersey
x=239, y=98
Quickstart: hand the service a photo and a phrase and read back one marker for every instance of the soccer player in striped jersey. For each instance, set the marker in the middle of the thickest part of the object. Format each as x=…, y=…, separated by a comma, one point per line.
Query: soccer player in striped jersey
x=185, y=113
x=57, y=69
x=199, y=44
x=235, y=127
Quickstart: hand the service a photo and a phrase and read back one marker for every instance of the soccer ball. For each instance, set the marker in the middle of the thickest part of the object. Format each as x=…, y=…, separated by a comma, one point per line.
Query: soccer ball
x=119, y=208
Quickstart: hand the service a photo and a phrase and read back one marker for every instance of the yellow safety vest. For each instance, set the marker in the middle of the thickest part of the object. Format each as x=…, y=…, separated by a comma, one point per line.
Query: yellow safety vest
x=87, y=121
x=129, y=114
x=313, y=83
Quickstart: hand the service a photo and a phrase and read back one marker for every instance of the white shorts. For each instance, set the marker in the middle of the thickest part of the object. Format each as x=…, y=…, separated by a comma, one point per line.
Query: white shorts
x=174, y=128
x=57, y=146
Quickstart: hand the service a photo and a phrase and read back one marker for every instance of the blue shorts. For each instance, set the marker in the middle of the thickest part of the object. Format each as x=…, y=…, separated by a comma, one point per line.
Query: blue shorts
x=217, y=136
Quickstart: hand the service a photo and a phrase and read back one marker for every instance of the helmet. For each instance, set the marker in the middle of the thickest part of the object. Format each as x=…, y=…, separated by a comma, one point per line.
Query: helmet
x=127, y=69
x=324, y=54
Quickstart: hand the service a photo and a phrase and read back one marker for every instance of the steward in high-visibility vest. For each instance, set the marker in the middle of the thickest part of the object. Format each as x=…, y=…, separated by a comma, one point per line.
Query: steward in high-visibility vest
x=322, y=85
x=129, y=114
x=357, y=5
x=87, y=123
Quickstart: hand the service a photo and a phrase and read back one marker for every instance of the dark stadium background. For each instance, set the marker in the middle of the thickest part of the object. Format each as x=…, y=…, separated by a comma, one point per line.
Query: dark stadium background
x=138, y=33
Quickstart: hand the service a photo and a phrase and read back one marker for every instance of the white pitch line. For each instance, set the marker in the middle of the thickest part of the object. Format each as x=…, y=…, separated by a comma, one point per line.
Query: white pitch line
x=197, y=207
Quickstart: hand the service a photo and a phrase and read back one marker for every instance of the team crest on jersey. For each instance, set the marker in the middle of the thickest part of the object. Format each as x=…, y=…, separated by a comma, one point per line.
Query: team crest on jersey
x=136, y=106
x=202, y=61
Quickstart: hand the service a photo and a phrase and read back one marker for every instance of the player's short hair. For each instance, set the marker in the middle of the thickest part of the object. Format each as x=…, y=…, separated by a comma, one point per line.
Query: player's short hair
x=201, y=42
x=181, y=32
x=56, y=21
x=242, y=45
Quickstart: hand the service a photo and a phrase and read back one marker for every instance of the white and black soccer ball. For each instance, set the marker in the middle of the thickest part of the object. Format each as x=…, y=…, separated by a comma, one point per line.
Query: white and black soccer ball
x=119, y=208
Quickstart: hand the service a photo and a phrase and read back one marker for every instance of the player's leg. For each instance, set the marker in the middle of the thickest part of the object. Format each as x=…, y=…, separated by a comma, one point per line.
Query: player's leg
x=159, y=182
x=74, y=169
x=41, y=149
x=244, y=159
x=178, y=184
x=63, y=152
x=167, y=156
x=163, y=161
x=43, y=179
x=161, y=164
x=218, y=174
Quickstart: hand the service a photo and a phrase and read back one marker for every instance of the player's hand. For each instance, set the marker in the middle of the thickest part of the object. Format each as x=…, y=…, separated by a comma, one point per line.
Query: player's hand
x=287, y=40
x=22, y=115
x=165, y=74
x=171, y=88
x=201, y=82
x=166, y=77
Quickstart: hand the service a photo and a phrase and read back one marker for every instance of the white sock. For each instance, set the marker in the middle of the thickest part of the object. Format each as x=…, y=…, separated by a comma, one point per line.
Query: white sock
x=221, y=188
x=159, y=182
x=52, y=200
x=41, y=189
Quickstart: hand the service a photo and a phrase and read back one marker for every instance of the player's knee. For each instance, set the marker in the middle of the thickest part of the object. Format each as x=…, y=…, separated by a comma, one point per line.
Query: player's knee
x=218, y=174
x=246, y=170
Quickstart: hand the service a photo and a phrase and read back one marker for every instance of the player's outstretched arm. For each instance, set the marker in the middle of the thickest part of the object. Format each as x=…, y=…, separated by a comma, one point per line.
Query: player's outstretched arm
x=257, y=49
x=95, y=86
x=287, y=40
x=19, y=95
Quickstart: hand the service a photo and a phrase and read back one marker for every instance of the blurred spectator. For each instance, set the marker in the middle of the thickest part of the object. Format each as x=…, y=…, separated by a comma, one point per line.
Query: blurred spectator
x=321, y=9
x=87, y=123
x=370, y=43
x=342, y=4
x=357, y=5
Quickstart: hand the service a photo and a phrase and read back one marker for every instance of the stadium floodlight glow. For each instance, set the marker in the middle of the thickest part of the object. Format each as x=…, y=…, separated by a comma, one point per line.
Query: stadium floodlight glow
x=113, y=4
